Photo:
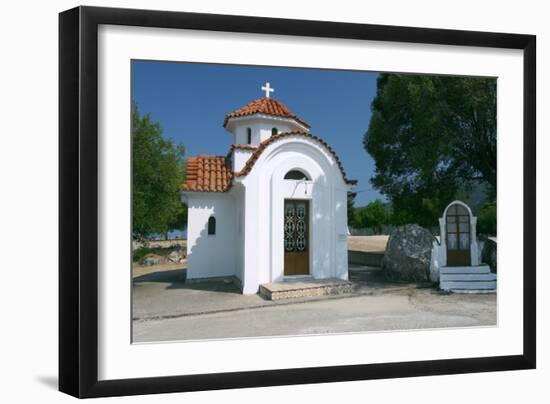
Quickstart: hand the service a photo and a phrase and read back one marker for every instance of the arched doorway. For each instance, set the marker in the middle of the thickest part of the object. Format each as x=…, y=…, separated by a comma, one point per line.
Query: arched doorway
x=458, y=235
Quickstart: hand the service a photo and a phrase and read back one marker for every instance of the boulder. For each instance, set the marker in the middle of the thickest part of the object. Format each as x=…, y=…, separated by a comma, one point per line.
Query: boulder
x=408, y=254
x=174, y=256
x=150, y=259
x=489, y=253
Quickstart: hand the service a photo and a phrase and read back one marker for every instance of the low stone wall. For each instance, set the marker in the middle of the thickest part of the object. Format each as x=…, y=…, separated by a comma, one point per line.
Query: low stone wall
x=160, y=243
x=371, y=259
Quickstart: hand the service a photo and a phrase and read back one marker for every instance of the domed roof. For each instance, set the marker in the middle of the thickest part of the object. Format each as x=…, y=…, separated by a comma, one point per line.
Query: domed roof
x=266, y=106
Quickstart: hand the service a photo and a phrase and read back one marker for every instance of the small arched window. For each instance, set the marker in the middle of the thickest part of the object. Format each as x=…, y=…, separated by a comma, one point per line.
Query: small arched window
x=296, y=175
x=211, y=226
x=274, y=131
x=248, y=135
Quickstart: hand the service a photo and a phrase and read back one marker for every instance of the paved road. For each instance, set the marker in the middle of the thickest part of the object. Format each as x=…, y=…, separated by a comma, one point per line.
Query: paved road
x=408, y=308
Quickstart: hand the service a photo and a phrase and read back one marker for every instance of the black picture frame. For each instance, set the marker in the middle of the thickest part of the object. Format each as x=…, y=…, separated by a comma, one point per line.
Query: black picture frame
x=78, y=201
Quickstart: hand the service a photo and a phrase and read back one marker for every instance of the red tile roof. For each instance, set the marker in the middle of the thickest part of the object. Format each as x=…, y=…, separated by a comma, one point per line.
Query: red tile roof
x=267, y=106
x=208, y=174
x=254, y=157
x=242, y=147
x=213, y=173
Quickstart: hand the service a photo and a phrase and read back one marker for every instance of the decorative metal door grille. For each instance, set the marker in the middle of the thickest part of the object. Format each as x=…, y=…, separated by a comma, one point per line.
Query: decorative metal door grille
x=296, y=237
x=295, y=226
x=290, y=214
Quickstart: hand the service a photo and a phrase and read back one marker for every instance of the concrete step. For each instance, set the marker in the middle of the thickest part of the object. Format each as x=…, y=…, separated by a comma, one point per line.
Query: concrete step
x=304, y=288
x=468, y=277
x=479, y=269
x=481, y=291
x=473, y=285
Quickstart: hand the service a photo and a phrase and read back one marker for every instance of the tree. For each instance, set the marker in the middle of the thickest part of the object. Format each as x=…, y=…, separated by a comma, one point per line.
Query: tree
x=352, y=215
x=179, y=222
x=431, y=137
x=375, y=215
x=487, y=219
x=158, y=172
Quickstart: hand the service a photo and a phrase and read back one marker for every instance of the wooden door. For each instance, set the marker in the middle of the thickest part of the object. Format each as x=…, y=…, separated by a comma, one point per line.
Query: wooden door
x=296, y=237
x=458, y=236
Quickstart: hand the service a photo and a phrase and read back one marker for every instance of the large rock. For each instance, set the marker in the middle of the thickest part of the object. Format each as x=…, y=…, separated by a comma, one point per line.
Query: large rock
x=408, y=254
x=150, y=260
x=174, y=256
x=489, y=253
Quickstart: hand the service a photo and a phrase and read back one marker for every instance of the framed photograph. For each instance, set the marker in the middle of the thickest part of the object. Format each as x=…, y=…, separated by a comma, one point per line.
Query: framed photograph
x=249, y=201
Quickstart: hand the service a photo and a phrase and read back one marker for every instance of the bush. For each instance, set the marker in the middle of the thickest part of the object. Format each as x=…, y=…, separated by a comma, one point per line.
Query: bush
x=141, y=252
x=487, y=219
x=375, y=215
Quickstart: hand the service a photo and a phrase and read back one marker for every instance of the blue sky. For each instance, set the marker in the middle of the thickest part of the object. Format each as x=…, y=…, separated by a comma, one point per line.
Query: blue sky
x=190, y=101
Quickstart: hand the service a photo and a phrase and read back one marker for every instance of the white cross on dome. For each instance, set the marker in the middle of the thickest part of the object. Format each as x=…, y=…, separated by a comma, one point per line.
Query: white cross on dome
x=267, y=89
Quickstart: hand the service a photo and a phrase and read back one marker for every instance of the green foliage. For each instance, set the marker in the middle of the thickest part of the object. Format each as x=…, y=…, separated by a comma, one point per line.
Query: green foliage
x=158, y=171
x=487, y=219
x=352, y=212
x=375, y=215
x=431, y=136
x=139, y=253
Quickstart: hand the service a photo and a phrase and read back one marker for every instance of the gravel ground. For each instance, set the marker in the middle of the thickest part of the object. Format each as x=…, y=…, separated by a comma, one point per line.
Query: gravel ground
x=367, y=243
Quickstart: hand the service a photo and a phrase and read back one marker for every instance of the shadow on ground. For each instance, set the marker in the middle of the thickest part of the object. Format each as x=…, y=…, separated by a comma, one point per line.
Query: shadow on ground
x=176, y=279
x=165, y=293
x=367, y=278
x=363, y=277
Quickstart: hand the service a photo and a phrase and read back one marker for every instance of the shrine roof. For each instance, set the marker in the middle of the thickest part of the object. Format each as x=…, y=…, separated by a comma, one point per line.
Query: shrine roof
x=267, y=106
x=207, y=174
x=262, y=146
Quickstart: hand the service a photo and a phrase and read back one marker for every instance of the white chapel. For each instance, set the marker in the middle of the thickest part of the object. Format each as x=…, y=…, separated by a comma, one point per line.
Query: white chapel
x=274, y=208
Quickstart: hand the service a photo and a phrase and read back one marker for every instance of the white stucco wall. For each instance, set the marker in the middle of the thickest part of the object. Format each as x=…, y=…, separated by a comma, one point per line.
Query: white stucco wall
x=265, y=192
x=237, y=193
x=211, y=255
x=260, y=126
x=249, y=240
x=239, y=158
x=439, y=249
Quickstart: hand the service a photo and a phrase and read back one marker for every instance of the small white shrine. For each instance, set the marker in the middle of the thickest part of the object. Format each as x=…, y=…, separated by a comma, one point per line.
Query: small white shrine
x=456, y=258
x=274, y=208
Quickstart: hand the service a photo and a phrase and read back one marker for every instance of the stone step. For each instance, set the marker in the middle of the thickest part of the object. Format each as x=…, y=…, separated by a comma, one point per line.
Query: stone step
x=479, y=269
x=473, y=285
x=304, y=288
x=468, y=277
